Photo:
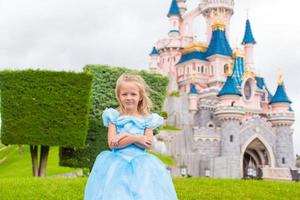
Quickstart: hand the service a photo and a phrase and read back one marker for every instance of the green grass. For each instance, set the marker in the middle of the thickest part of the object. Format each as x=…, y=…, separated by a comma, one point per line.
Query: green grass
x=167, y=160
x=169, y=128
x=187, y=189
x=12, y=164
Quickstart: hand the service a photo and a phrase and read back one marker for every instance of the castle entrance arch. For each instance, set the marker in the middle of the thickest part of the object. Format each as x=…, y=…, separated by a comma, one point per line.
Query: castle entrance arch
x=256, y=154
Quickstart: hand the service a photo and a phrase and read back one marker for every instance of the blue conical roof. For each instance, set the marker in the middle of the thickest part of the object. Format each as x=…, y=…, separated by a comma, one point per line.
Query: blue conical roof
x=174, y=9
x=193, y=89
x=229, y=88
x=248, y=37
x=280, y=95
x=219, y=44
x=154, y=52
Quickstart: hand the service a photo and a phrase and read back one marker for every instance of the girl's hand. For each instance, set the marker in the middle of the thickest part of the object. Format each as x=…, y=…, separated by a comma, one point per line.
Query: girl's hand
x=115, y=141
x=145, y=141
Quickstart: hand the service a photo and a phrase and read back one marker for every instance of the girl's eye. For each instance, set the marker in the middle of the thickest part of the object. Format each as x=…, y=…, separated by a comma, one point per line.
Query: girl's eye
x=133, y=94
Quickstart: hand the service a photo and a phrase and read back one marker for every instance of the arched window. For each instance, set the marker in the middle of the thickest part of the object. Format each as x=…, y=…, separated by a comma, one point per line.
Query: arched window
x=231, y=138
x=198, y=68
x=202, y=69
x=174, y=23
x=188, y=70
x=212, y=70
x=187, y=28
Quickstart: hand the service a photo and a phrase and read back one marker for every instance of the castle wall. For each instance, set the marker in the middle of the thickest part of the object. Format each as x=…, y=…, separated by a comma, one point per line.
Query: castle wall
x=284, y=152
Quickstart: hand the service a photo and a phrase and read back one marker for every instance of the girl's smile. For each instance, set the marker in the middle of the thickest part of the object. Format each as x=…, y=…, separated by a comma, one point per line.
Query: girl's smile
x=130, y=97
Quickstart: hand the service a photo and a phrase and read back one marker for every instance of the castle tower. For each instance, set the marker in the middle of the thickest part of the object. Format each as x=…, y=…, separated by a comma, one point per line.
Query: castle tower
x=153, y=65
x=282, y=118
x=174, y=17
x=248, y=43
x=218, y=52
x=193, y=98
x=230, y=115
x=217, y=10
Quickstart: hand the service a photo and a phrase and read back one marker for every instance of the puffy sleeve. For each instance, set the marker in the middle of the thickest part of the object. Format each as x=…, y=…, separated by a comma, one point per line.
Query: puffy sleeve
x=154, y=121
x=109, y=115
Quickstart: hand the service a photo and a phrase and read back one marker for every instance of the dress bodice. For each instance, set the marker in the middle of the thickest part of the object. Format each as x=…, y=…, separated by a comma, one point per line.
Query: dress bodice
x=131, y=125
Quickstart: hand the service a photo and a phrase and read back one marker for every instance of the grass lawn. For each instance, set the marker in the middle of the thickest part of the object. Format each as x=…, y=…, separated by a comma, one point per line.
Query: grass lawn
x=12, y=164
x=169, y=128
x=187, y=189
x=167, y=160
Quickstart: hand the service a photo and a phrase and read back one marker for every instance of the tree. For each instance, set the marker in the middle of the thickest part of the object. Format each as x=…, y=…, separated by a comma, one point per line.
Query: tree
x=43, y=109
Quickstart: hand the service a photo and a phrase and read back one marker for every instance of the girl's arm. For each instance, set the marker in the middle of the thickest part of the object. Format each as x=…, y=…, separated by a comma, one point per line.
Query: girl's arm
x=111, y=134
x=119, y=141
x=146, y=140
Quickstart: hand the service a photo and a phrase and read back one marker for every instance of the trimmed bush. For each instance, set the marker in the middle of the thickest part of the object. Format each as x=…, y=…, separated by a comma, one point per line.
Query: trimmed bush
x=44, y=107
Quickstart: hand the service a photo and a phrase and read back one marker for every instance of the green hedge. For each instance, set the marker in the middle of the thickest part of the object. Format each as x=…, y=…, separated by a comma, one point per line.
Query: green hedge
x=103, y=96
x=45, y=107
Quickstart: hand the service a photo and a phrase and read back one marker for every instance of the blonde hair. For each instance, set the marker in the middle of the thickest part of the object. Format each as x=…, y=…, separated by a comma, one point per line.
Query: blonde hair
x=145, y=104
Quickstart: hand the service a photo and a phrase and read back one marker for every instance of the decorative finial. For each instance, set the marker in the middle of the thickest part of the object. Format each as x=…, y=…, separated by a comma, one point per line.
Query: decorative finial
x=280, y=77
x=248, y=73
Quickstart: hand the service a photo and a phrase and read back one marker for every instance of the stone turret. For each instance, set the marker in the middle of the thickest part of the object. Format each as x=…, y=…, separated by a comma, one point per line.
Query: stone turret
x=282, y=118
x=230, y=116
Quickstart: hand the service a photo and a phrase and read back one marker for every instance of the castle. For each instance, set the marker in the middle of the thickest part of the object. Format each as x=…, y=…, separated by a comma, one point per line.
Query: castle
x=232, y=126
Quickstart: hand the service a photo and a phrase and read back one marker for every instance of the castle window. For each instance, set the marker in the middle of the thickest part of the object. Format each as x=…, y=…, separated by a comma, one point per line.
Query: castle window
x=283, y=160
x=198, y=68
x=188, y=70
x=212, y=70
x=202, y=69
x=231, y=138
x=225, y=68
x=174, y=23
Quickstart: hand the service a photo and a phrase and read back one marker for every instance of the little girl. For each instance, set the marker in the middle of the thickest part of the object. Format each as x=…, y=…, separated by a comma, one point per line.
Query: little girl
x=128, y=172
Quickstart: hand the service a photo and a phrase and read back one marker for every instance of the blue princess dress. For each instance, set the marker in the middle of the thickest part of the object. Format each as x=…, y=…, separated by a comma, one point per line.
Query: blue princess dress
x=129, y=173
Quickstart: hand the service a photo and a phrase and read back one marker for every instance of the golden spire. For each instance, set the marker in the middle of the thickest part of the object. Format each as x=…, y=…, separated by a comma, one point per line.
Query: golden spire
x=280, y=77
x=238, y=53
x=229, y=67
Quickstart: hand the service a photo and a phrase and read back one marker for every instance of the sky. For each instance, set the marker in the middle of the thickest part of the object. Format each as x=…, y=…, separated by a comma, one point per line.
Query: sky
x=68, y=34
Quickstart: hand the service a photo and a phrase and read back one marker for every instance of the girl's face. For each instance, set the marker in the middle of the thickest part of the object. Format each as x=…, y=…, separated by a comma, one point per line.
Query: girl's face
x=129, y=95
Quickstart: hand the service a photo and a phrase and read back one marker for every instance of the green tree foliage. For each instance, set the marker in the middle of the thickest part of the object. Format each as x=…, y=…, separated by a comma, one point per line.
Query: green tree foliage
x=103, y=96
x=44, y=108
